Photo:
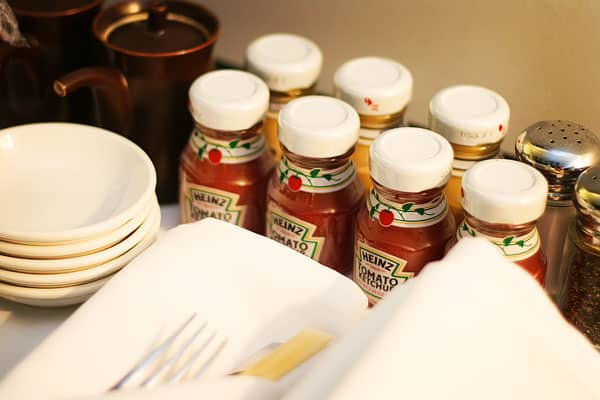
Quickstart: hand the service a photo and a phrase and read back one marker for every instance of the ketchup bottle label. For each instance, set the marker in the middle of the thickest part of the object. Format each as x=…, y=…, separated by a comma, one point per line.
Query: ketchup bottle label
x=406, y=215
x=515, y=248
x=314, y=180
x=227, y=152
x=205, y=202
x=377, y=272
x=293, y=232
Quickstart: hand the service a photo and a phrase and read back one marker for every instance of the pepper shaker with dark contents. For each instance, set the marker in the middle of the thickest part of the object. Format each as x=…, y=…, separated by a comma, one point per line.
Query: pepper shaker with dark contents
x=561, y=151
x=581, y=297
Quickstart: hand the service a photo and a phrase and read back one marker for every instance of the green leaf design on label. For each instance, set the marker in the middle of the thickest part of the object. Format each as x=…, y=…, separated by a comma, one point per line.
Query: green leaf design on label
x=236, y=151
x=420, y=211
x=514, y=247
x=281, y=177
x=201, y=151
x=406, y=206
x=372, y=212
x=318, y=179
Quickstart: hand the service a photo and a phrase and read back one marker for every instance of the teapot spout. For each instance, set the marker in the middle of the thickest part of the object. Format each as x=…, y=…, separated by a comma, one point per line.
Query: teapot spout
x=111, y=92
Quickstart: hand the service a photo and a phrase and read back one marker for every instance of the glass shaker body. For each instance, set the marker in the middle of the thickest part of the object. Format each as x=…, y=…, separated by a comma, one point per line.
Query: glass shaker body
x=580, y=297
x=561, y=151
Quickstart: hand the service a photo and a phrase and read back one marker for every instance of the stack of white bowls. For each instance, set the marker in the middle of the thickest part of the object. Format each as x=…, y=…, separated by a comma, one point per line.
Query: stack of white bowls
x=77, y=204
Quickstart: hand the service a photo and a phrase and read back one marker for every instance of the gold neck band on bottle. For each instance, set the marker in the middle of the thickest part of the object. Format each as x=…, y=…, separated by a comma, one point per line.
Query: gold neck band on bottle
x=475, y=153
x=382, y=121
x=286, y=97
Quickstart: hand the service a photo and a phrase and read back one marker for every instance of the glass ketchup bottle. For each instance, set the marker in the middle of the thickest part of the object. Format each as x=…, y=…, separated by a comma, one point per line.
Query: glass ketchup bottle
x=225, y=166
x=502, y=201
x=474, y=120
x=379, y=89
x=290, y=65
x=314, y=193
x=405, y=222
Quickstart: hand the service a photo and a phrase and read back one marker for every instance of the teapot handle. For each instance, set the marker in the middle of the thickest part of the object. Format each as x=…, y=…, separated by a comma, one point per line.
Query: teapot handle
x=111, y=90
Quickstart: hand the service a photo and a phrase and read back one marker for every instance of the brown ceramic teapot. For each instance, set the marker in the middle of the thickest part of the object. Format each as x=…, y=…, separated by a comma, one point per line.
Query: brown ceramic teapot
x=154, y=50
x=60, y=39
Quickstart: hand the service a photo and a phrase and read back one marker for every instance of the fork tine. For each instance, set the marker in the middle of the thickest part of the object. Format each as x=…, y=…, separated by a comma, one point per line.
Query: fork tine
x=157, y=375
x=150, y=358
x=211, y=359
x=181, y=372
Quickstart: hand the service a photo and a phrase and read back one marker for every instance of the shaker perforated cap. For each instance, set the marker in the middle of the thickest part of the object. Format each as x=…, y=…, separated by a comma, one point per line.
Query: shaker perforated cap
x=561, y=150
x=318, y=126
x=228, y=100
x=374, y=85
x=504, y=192
x=411, y=160
x=285, y=61
x=469, y=115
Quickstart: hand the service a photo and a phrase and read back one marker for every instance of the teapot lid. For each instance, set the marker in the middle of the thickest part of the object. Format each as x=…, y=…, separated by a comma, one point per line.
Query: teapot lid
x=165, y=28
x=36, y=8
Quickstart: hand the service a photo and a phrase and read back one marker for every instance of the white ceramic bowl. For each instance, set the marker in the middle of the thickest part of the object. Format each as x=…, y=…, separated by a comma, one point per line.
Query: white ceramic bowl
x=85, y=275
x=79, y=248
x=41, y=266
x=56, y=297
x=66, y=182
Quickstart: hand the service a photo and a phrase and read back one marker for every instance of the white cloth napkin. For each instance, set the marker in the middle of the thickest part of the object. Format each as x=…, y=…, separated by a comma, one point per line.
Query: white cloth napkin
x=249, y=288
x=472, y=326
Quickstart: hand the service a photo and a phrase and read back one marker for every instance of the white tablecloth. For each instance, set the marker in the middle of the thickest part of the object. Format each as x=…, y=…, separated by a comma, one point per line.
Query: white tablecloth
x=23, y=327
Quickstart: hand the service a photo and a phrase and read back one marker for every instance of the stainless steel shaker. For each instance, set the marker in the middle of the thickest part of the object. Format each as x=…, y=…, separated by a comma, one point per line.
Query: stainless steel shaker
x=561, y=150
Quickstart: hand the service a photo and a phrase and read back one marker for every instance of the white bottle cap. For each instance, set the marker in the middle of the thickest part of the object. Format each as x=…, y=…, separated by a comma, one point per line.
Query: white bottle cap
x=285, y=61
x=374, y=85
x=228, y=100
x=411, y=160
x=469, y=115
x=318, y=126
x=504, y=192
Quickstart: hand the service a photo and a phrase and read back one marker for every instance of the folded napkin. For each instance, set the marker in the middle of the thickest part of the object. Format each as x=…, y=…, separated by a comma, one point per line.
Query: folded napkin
x=472, y=326
x=251, y=289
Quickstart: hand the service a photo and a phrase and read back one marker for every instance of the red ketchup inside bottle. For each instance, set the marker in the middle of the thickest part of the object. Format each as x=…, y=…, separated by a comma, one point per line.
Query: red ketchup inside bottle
x=225, y=167
x=502, y=200
x=405, y=222
x=314, y=194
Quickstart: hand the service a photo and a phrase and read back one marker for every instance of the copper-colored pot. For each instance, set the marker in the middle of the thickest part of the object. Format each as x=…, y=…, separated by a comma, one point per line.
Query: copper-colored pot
x=60, y=40
x=152, y=58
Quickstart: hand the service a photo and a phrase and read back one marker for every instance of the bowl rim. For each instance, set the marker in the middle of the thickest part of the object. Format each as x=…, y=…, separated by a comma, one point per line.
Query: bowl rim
x=87, y=275
x=78, y=248
x=98, y=228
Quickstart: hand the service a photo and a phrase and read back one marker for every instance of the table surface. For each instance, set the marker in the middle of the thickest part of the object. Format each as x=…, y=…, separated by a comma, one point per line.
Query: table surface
x=23, y=327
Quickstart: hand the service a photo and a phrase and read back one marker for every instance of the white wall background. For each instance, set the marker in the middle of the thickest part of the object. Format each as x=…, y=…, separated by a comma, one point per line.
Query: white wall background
x=543, y=56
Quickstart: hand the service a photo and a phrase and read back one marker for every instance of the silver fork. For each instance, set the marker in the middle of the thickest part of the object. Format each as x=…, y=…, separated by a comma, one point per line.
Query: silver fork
x=158, y=366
